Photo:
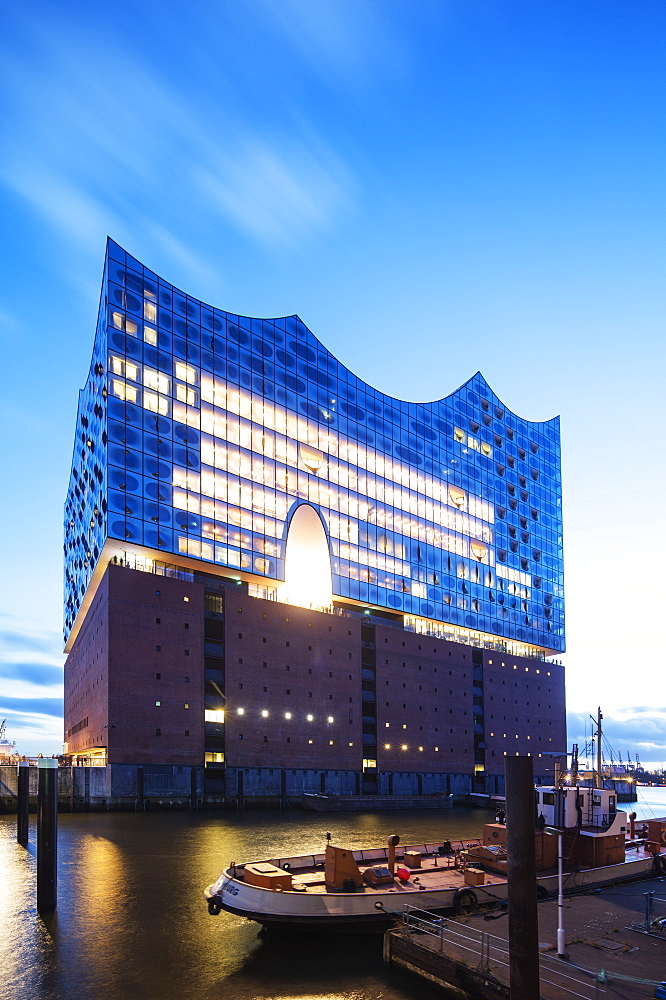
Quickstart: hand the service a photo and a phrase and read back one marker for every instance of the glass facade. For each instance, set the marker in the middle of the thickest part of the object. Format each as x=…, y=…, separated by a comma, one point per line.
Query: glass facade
x=199, y=432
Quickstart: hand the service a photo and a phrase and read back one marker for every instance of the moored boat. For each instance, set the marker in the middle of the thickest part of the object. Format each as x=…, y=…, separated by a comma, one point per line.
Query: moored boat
x=316, y=802
x=340, y=889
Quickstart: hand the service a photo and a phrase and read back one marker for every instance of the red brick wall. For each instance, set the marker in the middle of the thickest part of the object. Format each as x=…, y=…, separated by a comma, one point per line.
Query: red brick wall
x=148, y=615
x=281, y=659
x=312, y=667
x=525, y=699
x=424, y=693
x=86, y=679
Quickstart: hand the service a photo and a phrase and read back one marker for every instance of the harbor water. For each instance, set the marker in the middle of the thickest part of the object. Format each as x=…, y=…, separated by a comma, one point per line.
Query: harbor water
x=131, y=922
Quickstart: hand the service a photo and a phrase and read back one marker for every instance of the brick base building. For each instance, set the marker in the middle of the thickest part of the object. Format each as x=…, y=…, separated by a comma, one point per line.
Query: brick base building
x=276, y=700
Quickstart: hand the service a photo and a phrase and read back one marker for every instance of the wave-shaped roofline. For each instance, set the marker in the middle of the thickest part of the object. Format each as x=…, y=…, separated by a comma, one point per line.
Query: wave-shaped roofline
x=294, y=316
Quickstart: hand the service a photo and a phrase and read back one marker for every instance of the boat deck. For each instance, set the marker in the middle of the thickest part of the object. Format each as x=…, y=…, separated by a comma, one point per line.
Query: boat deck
x=427, y=877
x=436, y=872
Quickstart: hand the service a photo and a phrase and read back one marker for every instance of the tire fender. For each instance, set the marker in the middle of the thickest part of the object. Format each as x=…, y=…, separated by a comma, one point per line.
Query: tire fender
x=465, y=901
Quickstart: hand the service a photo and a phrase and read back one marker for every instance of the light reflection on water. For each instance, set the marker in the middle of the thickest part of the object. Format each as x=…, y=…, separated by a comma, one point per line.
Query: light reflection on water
x=132, y=923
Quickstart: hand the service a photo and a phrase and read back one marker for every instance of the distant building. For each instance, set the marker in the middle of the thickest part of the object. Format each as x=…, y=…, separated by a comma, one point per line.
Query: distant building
x=278, y=573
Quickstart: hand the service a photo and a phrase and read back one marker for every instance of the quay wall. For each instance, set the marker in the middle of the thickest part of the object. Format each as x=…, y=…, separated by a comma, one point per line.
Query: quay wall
x=170, y=786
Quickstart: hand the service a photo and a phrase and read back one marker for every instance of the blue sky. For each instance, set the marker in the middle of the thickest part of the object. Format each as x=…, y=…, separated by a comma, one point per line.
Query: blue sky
x=434, y=187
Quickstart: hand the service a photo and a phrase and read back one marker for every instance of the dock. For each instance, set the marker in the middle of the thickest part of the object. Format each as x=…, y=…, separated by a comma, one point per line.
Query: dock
x=615, y=947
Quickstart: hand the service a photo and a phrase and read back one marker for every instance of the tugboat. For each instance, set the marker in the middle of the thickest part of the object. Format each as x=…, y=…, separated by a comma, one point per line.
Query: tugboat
x=341, y=889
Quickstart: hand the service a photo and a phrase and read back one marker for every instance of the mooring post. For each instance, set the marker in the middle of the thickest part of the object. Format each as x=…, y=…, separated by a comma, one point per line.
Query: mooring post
x=140, y=802
x=23, y=772
x=521, y=873
x=47, y=836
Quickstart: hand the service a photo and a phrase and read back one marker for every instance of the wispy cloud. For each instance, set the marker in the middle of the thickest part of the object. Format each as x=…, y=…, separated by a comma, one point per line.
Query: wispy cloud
x=38, y=674
x=278, y=193
x=122, y=152
x=29, y=708
x=24, y=640
x=346, y=43
x=627, y=732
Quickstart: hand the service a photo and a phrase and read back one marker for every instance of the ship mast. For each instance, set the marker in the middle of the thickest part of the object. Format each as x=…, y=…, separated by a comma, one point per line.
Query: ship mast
x=597, y=736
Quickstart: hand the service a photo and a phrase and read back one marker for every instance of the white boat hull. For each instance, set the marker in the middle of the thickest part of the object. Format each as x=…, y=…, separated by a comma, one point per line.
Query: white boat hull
x=370, y=909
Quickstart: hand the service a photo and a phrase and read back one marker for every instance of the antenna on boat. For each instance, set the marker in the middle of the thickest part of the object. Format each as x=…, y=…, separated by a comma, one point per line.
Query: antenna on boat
x=574, y=764
x=597, y=736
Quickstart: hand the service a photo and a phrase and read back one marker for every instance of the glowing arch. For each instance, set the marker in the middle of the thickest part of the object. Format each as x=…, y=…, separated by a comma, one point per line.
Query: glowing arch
x=307, y=564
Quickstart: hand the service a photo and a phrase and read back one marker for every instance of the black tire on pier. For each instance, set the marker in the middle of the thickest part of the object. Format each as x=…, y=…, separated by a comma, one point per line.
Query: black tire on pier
x=465, y=901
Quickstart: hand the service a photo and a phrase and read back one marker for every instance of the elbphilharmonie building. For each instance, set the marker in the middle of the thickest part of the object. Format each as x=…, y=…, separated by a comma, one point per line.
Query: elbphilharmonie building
x=235, y=488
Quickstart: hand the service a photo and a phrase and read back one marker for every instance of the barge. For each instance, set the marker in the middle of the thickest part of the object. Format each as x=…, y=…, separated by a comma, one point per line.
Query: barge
x=341, y=889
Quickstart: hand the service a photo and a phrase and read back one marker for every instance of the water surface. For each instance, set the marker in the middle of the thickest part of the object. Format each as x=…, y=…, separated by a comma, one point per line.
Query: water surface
x=132, y=924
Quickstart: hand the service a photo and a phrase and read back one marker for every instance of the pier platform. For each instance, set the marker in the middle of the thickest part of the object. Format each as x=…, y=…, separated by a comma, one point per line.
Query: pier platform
x=615, y=943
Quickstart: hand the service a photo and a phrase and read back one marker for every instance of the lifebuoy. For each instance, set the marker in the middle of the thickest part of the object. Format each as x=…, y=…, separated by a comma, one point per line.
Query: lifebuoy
x=604, y=824
x=214, y=905
x=465, y=901
x=663, y=836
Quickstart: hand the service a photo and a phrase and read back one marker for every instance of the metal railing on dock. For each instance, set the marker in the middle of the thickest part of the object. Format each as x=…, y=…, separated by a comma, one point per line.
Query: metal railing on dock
x=488, y=956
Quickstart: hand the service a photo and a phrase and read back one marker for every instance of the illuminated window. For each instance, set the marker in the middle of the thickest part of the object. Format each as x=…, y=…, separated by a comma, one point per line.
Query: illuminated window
x=309, y=741
x=150, y=312
x=121, y=367
x=187, y=600
x=404, y=746
x=155, y=380
x=123, y=391
x=186, y=705
x=186, y=395
x=240, y=711
x=388, y=725
x=459, y=434
x=264, y=713
x=287, y=715
x=330, y=743
x=122, y=323
x=310, y=718
x=214, y=715
x=158, y=404
x=330, y=718
x=157, y=704
x=214, y=757
x=185, y=373
x=150, y=335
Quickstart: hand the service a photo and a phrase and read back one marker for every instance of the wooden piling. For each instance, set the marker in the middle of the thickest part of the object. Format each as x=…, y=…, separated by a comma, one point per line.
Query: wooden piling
x=521, y=874
x=23, y=803
x=47, y=836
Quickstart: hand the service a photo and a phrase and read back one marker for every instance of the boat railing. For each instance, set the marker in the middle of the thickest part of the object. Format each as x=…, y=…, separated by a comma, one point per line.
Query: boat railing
x=439, y=849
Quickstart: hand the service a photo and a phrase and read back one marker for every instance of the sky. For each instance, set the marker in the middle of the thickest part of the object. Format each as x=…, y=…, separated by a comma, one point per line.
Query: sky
x=436, y=187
